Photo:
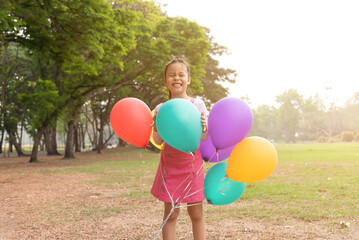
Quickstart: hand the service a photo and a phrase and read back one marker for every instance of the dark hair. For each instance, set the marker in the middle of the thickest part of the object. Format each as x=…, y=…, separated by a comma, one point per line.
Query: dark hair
x=178, y=60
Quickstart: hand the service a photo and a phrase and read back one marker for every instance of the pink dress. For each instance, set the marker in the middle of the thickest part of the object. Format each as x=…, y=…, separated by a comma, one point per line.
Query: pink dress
x=180, y=175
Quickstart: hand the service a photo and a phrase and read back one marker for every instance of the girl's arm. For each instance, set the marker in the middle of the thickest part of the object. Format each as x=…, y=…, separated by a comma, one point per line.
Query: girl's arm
x=204, y=136
x=156, y=136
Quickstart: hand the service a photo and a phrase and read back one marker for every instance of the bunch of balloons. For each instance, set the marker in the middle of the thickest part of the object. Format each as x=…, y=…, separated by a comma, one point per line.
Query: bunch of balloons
x=250, y=160
x=178, y=122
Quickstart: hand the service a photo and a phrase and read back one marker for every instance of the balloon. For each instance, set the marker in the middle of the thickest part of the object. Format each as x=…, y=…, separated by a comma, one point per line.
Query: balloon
x=208, y=151
x=179, y=124
x=151, y=138
x=219, y=189
x=229, y=122
x=252, y=160
x=131, y=121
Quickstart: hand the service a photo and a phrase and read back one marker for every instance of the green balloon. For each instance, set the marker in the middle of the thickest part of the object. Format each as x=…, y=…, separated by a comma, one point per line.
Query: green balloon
x=179, y=124
x=219, y=189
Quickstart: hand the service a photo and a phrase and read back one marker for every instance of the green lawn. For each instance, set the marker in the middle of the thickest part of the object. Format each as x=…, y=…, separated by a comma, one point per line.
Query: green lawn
x=311, y=182
x=313, y=190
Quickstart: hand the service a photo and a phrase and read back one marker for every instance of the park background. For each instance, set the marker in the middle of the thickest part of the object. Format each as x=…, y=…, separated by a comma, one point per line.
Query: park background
x=64, y=64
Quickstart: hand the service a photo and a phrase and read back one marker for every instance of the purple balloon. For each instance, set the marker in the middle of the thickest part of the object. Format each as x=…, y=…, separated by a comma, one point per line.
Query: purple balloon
x=208, y=151
x=229, y=122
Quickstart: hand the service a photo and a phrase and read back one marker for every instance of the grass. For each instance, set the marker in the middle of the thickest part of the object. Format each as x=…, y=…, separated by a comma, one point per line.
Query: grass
x=311, y=182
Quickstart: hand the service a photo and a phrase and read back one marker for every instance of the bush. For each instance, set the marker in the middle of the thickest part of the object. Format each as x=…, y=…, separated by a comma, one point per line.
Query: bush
x=322, y=139
x=336, y=138
x=356, y=137
x=347, y=136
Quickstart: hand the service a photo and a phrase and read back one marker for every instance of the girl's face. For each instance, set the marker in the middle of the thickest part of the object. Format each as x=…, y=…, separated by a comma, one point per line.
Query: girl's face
x=177, y=79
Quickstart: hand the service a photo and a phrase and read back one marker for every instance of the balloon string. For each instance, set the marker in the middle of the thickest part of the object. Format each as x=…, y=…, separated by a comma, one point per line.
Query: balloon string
x=211, y=157
x=221, y=191
x=206, y=187
x=165, y=221
x=186, y=195
x=176, y=204
x=185, y=179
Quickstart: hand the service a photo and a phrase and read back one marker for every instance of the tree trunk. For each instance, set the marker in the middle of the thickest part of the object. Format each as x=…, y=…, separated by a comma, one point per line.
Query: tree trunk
x=83, y=133
x=35, y=147
x=42, y=146
x=77, y=138
x=13, y=142
x=95, y=138
x=50, y=141
x=100, y=137
x=21, y=130
x=121, y=143
x=2, y=138
x=69, y=148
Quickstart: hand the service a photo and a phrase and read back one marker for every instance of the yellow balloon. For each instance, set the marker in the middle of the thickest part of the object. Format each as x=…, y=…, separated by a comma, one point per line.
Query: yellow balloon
x=252, y=160
x=151, y=138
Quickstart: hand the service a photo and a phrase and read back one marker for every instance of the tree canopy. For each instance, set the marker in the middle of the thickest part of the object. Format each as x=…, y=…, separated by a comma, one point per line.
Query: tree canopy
x=69, y=53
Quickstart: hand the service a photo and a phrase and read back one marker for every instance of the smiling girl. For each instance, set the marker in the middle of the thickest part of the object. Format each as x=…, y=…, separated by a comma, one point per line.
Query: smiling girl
x=180, y=176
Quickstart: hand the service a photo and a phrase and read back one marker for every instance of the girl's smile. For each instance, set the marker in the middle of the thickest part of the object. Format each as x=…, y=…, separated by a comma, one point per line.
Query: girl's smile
x=177, y=80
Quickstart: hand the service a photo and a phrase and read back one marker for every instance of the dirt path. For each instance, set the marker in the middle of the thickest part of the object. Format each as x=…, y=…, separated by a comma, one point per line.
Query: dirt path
x=34, y=205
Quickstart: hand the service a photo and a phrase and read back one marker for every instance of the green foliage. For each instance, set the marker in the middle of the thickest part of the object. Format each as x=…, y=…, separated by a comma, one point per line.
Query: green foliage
x=347, y=136
x=43, y=102
x=356, y=137
x=312, y=118
x=289, y=113
x=265, y=122
x=14, y=74
x=322, y=139
x=336, y=138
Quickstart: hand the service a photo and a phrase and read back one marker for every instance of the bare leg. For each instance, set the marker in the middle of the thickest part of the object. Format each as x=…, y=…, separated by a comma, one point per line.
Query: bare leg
x=169, y=230
x=196, y=214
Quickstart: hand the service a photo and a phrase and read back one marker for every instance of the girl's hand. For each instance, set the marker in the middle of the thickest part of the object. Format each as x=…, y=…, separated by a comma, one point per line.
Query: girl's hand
x=156, y=136
x=154, y=120
x=204, y=123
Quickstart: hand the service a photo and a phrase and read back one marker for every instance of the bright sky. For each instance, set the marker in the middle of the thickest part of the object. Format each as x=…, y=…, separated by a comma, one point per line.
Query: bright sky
x=308, y=45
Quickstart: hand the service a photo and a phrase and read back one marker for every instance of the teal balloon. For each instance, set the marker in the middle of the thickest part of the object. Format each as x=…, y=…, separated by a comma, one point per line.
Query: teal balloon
x=219, y=189
x=179, y=124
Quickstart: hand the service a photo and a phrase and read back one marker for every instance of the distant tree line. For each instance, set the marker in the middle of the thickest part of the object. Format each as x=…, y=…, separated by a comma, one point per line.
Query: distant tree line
x=307, y=119
x=71, y=61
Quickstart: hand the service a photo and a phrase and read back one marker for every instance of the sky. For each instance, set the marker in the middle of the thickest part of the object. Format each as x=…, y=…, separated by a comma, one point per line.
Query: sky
x=308, y=45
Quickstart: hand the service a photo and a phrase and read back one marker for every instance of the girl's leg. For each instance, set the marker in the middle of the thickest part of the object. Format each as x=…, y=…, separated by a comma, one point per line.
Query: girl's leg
x=195, y=212
x=169, y=229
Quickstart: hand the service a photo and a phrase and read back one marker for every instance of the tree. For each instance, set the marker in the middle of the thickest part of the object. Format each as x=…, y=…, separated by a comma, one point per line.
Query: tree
x=80, y=39
x=265, y=122
x=312, y=121
x=289, y=114
x=14, y=74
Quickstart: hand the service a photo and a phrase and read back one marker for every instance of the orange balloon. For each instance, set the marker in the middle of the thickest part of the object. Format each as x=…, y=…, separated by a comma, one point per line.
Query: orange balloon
x=131, y=120
x=252, y=160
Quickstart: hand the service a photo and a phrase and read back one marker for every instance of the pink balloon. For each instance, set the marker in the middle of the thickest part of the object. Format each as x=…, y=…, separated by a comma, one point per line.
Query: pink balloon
x=208, y=151
x=229, y=122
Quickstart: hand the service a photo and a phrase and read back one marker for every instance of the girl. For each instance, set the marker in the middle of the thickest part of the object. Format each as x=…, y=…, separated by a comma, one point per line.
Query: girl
x=180, y=176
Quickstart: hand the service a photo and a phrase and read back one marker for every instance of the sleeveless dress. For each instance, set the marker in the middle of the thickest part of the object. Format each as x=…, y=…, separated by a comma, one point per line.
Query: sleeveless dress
x=180, y=175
